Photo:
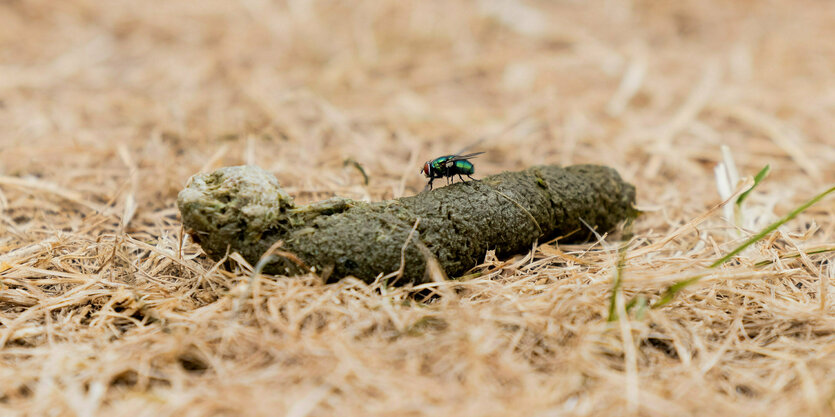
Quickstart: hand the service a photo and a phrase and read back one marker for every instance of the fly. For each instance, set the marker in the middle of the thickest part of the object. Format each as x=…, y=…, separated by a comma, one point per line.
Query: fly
x=448, y=166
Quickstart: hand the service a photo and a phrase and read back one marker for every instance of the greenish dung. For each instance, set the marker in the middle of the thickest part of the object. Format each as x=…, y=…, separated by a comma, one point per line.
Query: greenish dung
x=244, y=210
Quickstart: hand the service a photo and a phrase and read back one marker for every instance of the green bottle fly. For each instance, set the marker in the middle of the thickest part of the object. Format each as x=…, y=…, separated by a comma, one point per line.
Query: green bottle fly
x=448, y=166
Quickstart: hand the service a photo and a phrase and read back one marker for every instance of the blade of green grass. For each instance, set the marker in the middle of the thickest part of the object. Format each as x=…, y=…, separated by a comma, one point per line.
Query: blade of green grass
x=757, y=179
x=772, y=227
x=797, y=255
x=613, y=315
x=640, y=307
x=358, y=166
x=674, y=289
x=618, y=281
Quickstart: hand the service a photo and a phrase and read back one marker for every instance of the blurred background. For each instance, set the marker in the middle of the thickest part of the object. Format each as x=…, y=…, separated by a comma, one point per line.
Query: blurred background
x=299, y=86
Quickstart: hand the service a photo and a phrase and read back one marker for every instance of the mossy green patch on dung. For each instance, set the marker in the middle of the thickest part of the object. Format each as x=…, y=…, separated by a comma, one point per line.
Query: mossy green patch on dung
x=243, y=209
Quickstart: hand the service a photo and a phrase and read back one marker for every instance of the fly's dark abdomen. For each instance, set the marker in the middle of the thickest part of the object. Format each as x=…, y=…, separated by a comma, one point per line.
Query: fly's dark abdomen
x=463, y=168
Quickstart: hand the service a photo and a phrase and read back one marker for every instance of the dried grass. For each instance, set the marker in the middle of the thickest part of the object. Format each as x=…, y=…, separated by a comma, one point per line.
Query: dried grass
x=108, y=107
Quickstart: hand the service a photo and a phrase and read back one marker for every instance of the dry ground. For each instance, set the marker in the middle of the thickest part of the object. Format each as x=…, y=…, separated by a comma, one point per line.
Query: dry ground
x=106, y=109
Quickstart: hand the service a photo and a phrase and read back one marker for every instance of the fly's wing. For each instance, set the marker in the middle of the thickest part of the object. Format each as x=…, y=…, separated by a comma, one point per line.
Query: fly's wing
x=510, y=126
x=470, y=146
x=463, y=157
x=452, y=158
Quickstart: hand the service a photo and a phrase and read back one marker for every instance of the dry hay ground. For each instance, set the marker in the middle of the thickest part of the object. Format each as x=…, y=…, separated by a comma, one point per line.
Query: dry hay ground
x=107, y=108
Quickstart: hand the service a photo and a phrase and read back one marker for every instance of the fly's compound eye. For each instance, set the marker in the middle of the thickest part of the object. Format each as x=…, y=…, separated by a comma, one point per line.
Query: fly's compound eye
x=425, y=169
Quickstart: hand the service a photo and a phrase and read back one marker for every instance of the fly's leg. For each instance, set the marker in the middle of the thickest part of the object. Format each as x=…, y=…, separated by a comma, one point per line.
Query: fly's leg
x=462, y=178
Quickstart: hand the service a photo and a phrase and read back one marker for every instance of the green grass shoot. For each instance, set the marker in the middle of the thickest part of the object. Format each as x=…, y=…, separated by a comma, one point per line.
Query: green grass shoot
x=674, y=289
x=616, y=285
x=757, y=179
